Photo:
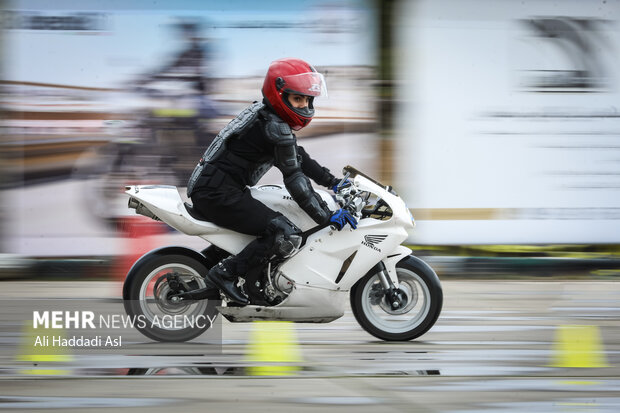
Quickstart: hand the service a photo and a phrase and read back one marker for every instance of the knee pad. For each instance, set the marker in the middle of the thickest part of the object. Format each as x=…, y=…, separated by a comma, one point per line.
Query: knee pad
x=286, y=236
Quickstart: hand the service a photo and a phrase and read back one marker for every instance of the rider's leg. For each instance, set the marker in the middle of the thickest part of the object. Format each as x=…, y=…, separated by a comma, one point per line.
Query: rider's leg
x=237, y=210
x=284, y=235
x=281, y=239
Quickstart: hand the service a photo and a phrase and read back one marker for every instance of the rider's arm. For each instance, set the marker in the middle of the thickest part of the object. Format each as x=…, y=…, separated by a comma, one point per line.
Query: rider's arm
x=288, y=161
x=313, y=170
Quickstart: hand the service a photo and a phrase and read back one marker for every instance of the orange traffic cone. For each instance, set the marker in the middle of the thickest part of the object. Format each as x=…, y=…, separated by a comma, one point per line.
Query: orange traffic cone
x=140, y=236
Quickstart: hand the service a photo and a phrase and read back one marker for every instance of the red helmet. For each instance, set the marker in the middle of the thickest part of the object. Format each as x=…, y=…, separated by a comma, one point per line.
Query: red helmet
x=292, y=76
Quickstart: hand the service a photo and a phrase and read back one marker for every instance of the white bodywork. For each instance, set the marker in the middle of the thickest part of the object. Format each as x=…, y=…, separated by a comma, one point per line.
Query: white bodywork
x=316, y=277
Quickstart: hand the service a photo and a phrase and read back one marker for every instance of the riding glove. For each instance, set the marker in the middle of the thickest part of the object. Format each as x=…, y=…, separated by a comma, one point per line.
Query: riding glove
x=336, y=187
x=341, y=217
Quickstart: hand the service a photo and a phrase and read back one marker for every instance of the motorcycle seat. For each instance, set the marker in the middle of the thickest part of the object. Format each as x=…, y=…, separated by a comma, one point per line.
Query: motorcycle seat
x=194, y=213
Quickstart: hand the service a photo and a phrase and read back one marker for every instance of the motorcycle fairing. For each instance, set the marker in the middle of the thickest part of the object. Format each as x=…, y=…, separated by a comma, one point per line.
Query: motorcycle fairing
x=315, y=268
x=304, y=304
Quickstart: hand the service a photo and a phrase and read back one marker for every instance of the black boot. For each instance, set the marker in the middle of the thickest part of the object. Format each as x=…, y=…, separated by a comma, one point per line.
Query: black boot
x=226, y=281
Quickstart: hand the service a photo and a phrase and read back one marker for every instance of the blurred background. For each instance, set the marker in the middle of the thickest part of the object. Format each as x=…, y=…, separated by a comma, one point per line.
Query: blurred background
x=497, y=121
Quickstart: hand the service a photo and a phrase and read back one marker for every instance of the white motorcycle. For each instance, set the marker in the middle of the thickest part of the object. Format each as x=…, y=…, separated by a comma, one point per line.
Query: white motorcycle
x=393, y=295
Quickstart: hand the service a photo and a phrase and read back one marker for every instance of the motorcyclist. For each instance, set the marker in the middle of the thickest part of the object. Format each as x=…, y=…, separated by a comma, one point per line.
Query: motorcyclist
x=258, y=138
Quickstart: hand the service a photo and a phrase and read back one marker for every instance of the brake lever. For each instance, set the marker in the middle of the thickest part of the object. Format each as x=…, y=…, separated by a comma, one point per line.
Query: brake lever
x=343, y=180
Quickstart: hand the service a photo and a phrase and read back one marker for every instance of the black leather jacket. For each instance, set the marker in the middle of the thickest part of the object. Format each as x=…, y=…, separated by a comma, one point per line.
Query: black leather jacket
x=267, y=141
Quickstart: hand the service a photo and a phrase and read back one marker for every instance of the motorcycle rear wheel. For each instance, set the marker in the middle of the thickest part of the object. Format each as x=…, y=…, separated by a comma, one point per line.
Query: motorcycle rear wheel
x=424, y=299
x=148, y=299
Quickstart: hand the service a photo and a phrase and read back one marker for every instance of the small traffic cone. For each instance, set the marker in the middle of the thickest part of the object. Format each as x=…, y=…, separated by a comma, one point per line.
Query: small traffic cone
x=38, y=349
x=578, y=346
x=273, y=349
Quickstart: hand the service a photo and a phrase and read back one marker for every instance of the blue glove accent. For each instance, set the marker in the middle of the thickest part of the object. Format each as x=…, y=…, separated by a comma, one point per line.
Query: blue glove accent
x=345, y=184
x=341, y=217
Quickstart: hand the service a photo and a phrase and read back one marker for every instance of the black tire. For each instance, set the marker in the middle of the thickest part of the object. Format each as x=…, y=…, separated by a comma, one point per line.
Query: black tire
x=425, y=299
x=144, y=275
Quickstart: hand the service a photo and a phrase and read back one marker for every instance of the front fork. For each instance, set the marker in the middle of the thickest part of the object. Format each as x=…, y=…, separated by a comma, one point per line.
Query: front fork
x=386, y=269
x=384, y=276
x=395, y=298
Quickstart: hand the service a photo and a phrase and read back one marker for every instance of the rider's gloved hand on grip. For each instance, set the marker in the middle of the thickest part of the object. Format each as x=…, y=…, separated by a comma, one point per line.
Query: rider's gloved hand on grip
x=341, y=217
x=336, y=186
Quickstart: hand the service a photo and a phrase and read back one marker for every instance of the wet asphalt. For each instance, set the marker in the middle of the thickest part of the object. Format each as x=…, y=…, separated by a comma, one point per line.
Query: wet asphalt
x=498, y=346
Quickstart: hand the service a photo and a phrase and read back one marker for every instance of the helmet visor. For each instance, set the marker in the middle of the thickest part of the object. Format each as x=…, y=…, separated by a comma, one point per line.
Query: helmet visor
x=307, y=84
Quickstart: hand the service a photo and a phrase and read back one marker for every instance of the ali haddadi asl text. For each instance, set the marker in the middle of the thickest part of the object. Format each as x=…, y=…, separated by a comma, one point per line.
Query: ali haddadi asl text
x=78, y=341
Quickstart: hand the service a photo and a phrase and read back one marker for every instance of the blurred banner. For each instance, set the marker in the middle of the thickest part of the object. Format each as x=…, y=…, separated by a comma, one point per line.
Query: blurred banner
x=102, y=94
x=508, y=120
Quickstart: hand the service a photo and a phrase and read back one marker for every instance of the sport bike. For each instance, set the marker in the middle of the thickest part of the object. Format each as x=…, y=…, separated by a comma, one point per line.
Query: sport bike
x=393, y=294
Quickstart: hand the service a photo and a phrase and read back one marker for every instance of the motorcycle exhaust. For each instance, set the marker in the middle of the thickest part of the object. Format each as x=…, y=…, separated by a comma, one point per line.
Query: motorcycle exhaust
x=141, y=209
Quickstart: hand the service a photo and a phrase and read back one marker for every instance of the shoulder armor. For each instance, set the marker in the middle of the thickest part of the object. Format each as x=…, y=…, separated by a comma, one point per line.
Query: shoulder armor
x=277, y=131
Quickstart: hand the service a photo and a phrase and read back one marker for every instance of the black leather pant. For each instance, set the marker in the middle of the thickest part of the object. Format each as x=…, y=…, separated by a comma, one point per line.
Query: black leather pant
x=234, y=208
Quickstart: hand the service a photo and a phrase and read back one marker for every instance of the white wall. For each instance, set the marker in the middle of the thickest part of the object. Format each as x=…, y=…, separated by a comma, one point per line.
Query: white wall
x=509, y=113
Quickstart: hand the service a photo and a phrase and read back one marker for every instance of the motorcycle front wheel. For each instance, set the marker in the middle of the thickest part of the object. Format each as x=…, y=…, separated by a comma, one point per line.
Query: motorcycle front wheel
x=422, y=304
x=150, y=293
